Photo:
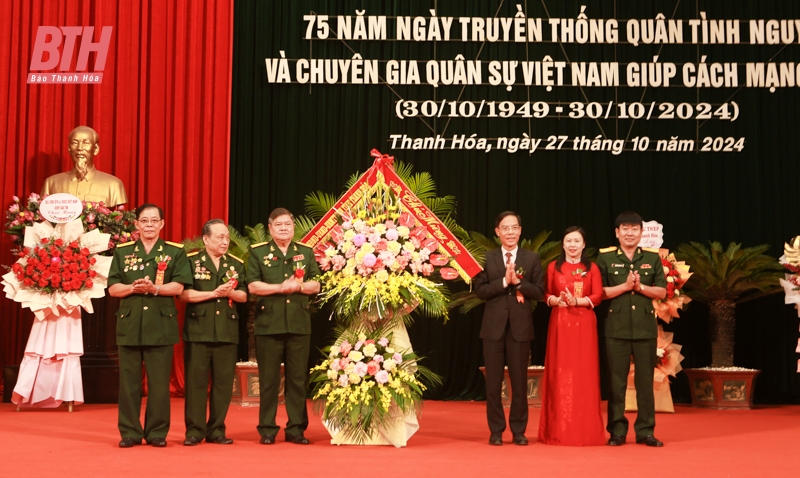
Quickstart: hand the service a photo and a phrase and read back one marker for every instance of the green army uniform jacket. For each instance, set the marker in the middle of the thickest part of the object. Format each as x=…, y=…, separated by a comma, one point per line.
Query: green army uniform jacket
x=278, y=313
x=631, y=315
x=213, y=320
x=148, y=319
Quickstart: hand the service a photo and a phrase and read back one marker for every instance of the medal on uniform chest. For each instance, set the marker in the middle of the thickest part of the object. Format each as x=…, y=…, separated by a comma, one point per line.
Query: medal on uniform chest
x=233, y=277
x=161, y=267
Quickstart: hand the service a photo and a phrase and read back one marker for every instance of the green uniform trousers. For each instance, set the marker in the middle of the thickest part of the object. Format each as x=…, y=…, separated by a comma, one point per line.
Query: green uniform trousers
x=158, y=365
x=201, y=359
x=270, y=352
x=618, y=353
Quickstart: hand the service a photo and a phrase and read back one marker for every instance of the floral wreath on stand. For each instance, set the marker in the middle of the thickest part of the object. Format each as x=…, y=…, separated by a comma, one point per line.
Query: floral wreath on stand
x=58, y=269
x=379, y=263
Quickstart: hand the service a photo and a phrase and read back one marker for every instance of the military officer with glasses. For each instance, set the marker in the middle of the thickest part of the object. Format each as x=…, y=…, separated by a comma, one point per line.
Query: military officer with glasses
x=146, y=275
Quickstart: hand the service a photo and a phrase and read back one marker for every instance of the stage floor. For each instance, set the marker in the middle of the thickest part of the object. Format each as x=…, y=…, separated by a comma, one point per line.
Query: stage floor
x=452, y=441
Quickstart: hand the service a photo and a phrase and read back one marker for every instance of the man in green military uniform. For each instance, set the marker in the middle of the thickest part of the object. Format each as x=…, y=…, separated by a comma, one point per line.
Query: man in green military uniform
x=147, y=275
x=210, y=334
x=632, y=277
x=281, y=273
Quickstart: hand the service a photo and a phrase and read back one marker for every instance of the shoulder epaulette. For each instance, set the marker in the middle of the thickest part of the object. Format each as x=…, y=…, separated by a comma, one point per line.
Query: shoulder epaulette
x=175, y=244
x=126, y=244
x=608, y=249
x=650, y=249
x=253, y=246
x=303, y=244
x=235, y=258
x=192, y=253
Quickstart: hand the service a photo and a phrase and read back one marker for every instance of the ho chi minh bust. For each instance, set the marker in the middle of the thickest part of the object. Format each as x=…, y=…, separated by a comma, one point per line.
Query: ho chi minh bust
x=83, y=180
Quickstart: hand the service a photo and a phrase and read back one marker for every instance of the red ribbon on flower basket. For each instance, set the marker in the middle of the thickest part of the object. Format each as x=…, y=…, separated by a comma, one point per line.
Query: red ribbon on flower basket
x=382, y=169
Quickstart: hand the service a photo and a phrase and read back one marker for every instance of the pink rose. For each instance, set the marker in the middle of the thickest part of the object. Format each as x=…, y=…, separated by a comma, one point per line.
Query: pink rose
x=373, y=368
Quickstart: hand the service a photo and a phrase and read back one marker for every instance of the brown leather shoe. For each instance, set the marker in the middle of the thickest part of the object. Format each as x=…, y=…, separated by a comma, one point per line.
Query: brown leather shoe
x=616, y=440
x=650, y=440
x=520, y=439
x=496, y=439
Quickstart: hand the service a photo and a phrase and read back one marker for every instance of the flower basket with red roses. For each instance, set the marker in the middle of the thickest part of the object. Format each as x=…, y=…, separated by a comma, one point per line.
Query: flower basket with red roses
x=55, y=265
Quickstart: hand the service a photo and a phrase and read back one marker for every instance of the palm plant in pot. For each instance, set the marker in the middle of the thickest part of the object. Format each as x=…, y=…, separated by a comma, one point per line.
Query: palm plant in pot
x=723, y=278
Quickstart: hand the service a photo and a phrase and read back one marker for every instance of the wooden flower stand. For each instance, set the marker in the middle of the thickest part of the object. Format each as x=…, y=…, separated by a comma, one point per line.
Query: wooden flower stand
x=246, y=389
x=535, y=374
x=722, y=389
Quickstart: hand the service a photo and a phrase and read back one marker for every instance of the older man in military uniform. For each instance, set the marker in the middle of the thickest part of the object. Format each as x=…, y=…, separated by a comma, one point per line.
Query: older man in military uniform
x=210, y=334
x=632, y=277
x=279, y=272
x=147, y=275
x=84, y=180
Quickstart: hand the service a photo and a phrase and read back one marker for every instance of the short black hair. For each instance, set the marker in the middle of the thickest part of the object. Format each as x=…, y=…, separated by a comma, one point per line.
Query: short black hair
x=504, y=215
x=140, y=210
x=209, y=223
x=629, y=217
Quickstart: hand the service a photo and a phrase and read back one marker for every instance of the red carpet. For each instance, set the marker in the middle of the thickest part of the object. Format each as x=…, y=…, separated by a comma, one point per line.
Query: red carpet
x=451, y=442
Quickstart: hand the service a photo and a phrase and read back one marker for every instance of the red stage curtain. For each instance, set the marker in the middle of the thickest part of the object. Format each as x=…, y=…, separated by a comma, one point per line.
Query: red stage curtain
x=162, y=113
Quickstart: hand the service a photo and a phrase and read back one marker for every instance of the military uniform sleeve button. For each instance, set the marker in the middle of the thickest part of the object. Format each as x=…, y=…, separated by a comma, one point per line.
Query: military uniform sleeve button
x=145, y=307
x=633, y=307
x=288, y=301
x=217, y=312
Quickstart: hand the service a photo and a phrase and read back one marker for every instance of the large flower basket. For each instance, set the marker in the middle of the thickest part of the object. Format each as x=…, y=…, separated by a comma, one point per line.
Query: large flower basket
x=368, y=389
x=57, y=273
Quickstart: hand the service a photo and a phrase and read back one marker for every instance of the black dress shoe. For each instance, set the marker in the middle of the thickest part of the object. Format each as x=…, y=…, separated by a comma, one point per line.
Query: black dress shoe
x=520, y=439
x=616, y=440
x=191, y=441
x=649, y=440
x=129, y=442
x=496, y=439
x=267, y=440
x=158, y=442
x=220, y=440
x=298, y=440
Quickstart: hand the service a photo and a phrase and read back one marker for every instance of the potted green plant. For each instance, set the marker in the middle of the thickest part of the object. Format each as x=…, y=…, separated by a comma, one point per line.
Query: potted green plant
x=722, y=279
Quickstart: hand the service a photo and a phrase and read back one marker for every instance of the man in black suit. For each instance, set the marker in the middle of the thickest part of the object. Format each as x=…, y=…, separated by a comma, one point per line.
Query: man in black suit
x=511, y=278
